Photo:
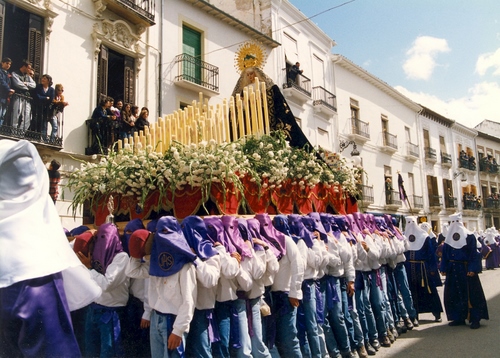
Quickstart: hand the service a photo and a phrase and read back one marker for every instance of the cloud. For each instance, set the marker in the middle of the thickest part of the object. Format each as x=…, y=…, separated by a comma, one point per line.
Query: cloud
x=478, y=105
x=421, y=57
x=487, y=61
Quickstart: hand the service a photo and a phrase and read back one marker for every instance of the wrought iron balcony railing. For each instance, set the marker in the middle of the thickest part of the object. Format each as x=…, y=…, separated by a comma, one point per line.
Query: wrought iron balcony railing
x=300, y=82
x=323, y=97
x=33, y=123
x=430, y=153
x=416, y=201
x=392, y=197
x=488, y=166
x=445, y=158
x=366, y=194
x=450, y=202
x=435, y=200
x=390, y=140
x=360, y=128
x=412, y=149
x=194, y=70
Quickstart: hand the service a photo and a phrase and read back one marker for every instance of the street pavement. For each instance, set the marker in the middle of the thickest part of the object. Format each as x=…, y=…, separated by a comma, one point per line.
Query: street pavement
x=433, y=339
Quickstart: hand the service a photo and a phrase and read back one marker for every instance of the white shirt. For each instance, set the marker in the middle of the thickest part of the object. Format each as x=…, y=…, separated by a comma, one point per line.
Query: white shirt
x=207, y=277
x=230, y=269
x=271, y=267
x=175, y=294
x=291, y=272
x=115, y=283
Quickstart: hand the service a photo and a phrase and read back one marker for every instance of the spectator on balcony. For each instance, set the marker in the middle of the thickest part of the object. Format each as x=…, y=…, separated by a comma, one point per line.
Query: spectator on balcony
x=98, y=123
x=5, y=90
x=388, y=190
x=116, y=124
x=294, y=72
x=128, y=122
x=142, y=121
x=44, y=95
x=22, y=83
x=472, y=162
x=58, y=105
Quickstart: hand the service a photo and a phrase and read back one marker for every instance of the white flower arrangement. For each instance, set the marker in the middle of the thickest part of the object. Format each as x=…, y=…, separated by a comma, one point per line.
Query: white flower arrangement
x=268, y=160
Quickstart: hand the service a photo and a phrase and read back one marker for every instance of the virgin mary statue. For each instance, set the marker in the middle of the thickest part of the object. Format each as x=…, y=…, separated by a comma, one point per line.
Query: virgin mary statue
x=280, y=114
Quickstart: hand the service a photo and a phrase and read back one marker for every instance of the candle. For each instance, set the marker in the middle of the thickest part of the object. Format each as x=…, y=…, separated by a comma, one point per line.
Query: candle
x=248, y=129
x=258, y=104
x=119, y=145
x=239, y=106
x=232, y=114
x=225, y=118
x=266, y=110
x=253, y=114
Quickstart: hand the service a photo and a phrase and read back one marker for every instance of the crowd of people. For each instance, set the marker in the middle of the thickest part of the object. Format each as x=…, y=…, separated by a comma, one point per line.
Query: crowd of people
x=111, y=121
x=467, y=161
x=313, y=285
x=471, y=201
x=488, y=164
x=28, y=106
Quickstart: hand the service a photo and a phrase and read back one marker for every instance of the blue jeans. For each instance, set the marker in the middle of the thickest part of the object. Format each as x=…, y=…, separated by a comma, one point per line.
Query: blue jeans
x=307, y=309
x=286, y=343
x=378, y=303
x=404, y=289
x=364, y=306
x=3, y=110
x=259, y=349
x=245, y=351
x=53, y=124
x=198, y=341
x=388, y=317
x=351, y=317
x=160, y=329
x=102, y=332
x=223, y=311
x=335, y=317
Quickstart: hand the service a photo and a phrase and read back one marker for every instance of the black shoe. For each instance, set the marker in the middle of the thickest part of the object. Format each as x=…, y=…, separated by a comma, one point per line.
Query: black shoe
x=456, y=323
x=395, y=333
x=391, y=337
x=475, y=325
x=414, y=321
x=370, y=350
x=401, y=328
x=408, y=324
x=385, y=342
x=375, y=344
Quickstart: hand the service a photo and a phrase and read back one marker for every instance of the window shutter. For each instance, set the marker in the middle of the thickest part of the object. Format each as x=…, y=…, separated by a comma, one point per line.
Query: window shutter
x=129, y=80
x=102, y=74
x=35, y=44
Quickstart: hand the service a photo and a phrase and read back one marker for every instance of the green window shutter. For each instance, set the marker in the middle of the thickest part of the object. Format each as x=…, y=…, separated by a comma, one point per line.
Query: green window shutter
x=191, y=46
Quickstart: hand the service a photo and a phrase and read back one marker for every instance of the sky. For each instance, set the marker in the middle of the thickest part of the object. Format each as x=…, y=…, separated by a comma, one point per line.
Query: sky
x=443, y=54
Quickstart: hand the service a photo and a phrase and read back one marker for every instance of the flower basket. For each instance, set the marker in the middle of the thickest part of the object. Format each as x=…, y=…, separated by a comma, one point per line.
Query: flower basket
x=282, y=197
x=257, y=197
x=226, y=197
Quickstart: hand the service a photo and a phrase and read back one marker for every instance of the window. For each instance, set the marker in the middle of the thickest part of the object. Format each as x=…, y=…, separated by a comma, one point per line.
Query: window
x=354, y=109
x=408, y=135
x=427, y=140
x=411, y=184
x=388, y=185
x=432, y=188
x=115, y=76
x=191, y=46
x=324, y=139
x=21, y=37
x=290, y=46
x=442, y=144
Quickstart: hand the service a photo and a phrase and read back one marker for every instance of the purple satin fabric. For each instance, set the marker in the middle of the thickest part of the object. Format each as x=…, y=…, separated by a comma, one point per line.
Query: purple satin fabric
x=319, y=225
x=270, y=233
x=216, y=233
x=170, y=251
x=254, y=230
x=195, y=232
x=107, y=245
x=213, y=328
x=230, y=224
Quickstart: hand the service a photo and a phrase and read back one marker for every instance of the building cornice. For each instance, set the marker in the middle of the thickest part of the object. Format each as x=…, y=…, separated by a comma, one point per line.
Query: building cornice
x=234, y=22
x=375, y=81
x=436, y=117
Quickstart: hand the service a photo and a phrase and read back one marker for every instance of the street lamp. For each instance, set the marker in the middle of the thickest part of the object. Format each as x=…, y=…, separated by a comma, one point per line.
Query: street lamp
x=355, y=158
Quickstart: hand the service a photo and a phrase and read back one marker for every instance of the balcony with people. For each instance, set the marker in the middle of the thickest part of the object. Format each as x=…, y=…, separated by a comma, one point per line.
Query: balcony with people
x=467, y=161
x=488, y=165
x=471, y=201
x=492, y=202
x=295, y=84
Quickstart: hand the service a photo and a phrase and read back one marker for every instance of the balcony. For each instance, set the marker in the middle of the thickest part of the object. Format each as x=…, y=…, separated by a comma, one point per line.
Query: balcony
x=430, y=155
x=389, y=143
x=445, y=160
x=467, y=162
x=366, y=195
x=392, y=198
x=411, y=151
x=359, y=131
x=492, y=204
x=435, y=201
x=324, y=101
x=37, y=129
x=472, y=204
x=450, y=202
x=417, y=202
x=488, y=166
x=138, y=12
x=196, y=75
x=299, y=89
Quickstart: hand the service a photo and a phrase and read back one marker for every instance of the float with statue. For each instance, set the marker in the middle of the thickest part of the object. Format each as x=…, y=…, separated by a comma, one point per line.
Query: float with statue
x=245, y=156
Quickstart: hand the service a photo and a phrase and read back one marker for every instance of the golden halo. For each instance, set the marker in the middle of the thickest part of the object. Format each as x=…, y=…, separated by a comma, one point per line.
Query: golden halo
x=250, y=54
